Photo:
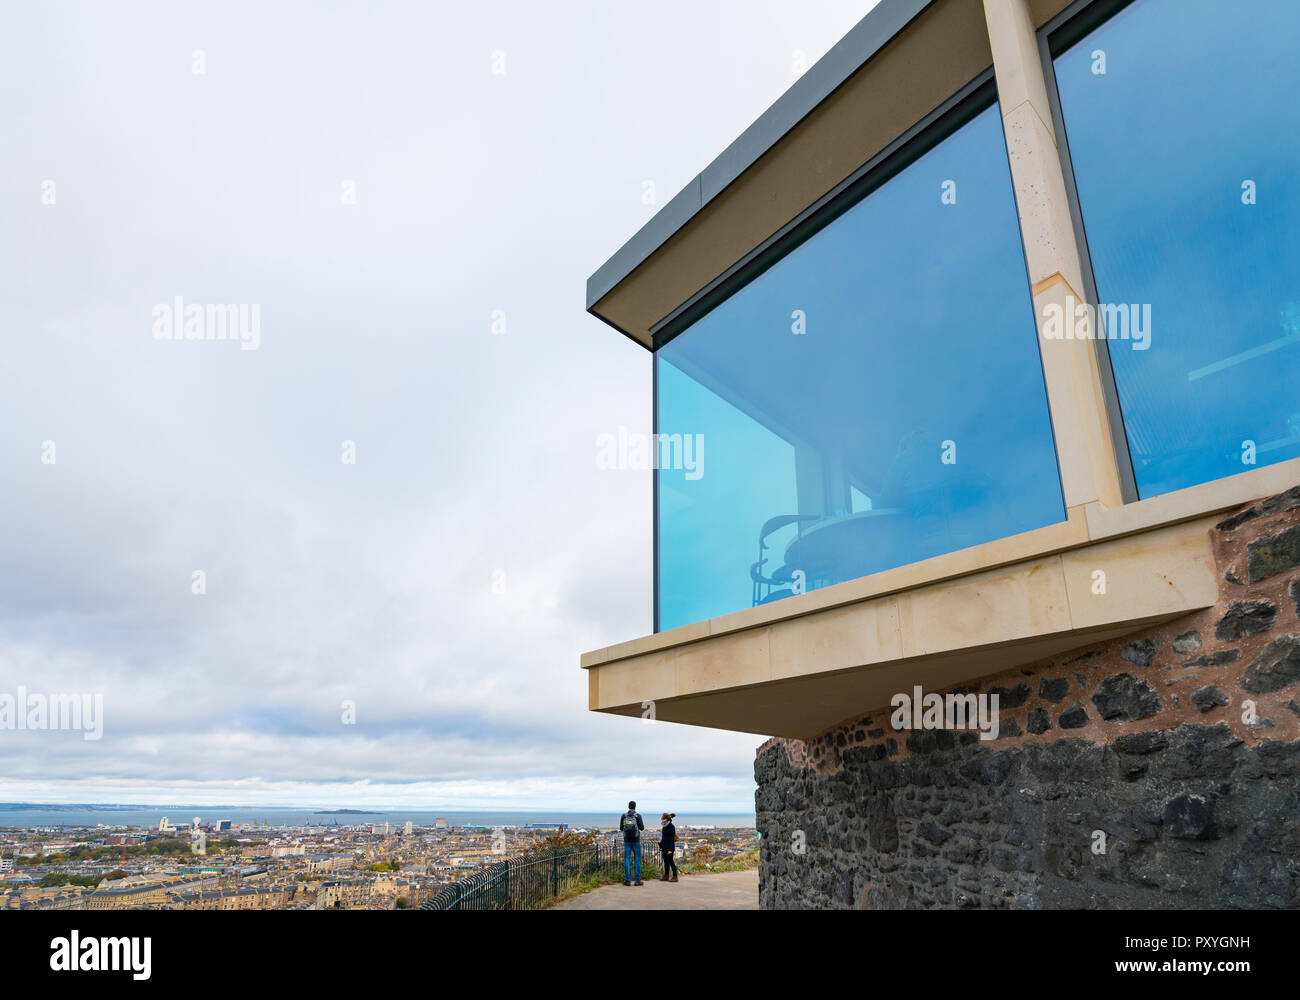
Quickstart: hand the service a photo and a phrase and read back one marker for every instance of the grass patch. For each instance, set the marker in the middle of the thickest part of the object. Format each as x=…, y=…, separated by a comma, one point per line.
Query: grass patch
x=580, y=887
x=742, y=862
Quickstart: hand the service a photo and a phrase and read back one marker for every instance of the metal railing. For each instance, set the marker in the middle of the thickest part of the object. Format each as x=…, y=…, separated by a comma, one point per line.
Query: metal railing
x=524, y=881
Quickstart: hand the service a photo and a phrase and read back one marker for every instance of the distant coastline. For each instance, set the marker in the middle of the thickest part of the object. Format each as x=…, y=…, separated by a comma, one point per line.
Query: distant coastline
x=70, y=806
x=346, y=812
x=42, y=814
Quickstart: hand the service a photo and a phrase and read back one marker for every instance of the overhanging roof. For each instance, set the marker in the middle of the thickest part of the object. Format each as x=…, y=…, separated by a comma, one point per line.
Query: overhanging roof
x=863, y=98
x=867, y=37
x=867, y=94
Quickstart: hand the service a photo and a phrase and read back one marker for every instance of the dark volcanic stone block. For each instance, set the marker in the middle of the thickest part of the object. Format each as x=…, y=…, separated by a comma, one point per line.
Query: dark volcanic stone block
x=1209, y=697
x=1190, y=817
x=1274, y=554
x=1245, y=618
x=1277, y=667
x=1140, y=652
x=1217, y=659
x=1125, y=698
x=1011, y=697
x=1141, y=743
x=1074, y=717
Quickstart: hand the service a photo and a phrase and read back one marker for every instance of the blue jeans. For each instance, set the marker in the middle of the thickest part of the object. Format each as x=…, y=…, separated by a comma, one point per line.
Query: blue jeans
x=631, y=849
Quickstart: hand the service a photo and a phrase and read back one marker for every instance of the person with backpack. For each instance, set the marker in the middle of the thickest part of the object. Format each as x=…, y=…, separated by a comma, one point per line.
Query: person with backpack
x=631, y=824
x=668, y=845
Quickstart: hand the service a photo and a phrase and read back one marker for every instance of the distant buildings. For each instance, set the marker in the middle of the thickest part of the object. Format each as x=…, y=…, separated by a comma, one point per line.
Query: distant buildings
x=328, y=862
x=287, y=867
x=125, y=897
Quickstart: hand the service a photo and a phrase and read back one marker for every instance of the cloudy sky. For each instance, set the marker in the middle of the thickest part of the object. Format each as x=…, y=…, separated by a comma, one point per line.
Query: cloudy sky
x=382, y=181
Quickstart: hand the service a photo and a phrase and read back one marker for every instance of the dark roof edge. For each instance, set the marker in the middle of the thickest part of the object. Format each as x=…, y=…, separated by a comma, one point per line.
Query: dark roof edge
x=822, y=79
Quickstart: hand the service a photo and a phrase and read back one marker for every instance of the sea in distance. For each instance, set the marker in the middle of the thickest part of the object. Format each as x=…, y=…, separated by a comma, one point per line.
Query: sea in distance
x=28, y=815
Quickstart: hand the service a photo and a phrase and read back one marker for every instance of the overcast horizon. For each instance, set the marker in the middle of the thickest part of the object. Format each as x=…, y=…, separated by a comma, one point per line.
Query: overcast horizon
x=387, y=503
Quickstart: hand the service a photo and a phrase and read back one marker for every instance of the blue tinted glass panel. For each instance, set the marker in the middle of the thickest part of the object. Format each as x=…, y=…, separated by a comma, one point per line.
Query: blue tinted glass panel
x=873, y=399
x=1192, y=120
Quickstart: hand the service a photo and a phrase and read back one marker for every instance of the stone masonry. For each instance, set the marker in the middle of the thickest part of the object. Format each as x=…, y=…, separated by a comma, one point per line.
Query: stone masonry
x=1158, y=770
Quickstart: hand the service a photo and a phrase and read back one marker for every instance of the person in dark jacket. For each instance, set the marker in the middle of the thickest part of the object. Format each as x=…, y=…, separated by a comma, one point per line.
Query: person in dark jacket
x=668, y=845
x=631, y=825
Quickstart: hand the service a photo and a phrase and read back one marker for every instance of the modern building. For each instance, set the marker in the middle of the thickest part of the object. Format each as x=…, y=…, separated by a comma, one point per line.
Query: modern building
x=976, y=375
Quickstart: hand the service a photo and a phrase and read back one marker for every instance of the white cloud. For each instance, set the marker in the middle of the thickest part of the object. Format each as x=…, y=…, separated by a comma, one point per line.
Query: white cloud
x=475, y=452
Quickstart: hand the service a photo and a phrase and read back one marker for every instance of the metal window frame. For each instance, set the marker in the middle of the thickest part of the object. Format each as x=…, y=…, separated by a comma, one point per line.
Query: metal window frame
x=1070, y=26
x=976, y=96
x=654, y=489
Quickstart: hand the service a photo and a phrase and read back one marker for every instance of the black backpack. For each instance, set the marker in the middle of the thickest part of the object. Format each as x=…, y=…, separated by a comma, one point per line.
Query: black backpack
x=631, y=834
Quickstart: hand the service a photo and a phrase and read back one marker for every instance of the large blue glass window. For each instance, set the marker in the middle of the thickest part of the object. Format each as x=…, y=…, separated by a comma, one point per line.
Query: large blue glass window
x=1181, y=121
x=874, y=398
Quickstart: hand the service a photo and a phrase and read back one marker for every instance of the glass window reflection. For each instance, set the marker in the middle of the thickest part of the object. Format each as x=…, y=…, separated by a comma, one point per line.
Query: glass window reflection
x=1180, y=116
x=874, y=398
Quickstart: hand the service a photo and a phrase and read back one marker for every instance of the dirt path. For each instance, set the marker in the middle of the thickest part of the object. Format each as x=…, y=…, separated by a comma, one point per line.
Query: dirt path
x=726, y=891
